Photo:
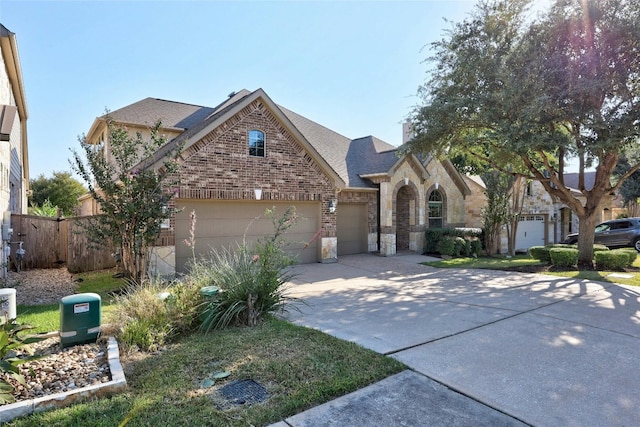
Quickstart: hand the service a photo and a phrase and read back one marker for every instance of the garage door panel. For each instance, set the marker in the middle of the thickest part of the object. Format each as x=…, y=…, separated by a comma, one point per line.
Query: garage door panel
x=352, y=228
x=225, y=224
x=530, y=232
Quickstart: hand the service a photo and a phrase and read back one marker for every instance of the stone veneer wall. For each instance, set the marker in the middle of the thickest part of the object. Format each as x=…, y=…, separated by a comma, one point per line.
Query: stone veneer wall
x=474, y=203
x=455, y=200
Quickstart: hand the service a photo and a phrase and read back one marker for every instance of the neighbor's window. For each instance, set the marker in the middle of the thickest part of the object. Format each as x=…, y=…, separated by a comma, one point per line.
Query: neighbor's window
x=436, y=210
x=256, y=143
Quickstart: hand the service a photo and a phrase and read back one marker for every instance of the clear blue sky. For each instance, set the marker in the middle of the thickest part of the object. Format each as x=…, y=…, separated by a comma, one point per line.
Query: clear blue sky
x=351, y=66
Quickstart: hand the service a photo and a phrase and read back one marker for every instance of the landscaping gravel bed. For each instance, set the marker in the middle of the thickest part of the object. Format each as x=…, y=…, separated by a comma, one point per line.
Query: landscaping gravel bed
x=41, y=286
x=58, y=370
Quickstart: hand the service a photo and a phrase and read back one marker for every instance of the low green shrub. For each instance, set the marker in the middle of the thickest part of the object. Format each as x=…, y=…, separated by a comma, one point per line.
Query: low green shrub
x=597, y=248
x=563, y=256
x=434, y=237
x=454, y=246
x=631, y=253
x=611, y=260
x=541, y=253
x=475, y=244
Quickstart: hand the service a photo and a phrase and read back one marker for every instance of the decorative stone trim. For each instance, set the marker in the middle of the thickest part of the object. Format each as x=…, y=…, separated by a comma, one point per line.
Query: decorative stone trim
x=329, y=250
x=388, y=244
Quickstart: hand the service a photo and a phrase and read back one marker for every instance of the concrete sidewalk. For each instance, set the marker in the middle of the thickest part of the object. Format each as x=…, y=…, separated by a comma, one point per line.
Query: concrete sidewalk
x=484, y=347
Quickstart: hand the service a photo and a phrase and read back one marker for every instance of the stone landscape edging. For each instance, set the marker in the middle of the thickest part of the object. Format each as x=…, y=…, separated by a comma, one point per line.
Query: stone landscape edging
x=60, y=400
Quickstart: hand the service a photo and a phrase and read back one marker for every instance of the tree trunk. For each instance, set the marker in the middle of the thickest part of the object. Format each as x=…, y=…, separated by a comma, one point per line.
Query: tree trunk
x=512, y=231
x=586, y=235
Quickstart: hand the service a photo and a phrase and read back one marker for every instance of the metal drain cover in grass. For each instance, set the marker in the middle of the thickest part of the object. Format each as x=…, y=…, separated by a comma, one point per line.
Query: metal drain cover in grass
x=240, y=392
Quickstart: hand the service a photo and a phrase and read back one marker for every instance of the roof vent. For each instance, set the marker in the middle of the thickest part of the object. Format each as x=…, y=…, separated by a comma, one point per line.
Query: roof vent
x=232, y=94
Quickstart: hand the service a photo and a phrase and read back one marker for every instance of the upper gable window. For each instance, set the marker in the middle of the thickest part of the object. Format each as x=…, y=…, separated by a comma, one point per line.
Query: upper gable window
x=256, y=143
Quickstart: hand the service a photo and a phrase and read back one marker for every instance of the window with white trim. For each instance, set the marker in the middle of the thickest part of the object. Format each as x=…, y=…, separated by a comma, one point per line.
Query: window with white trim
x=436, y=210
x=256, y=143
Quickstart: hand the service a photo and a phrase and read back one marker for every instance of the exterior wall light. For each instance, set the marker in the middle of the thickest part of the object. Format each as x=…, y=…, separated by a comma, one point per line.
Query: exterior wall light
x=406, y=180
x=258, y=193
x=437, y=185
x=332, y=206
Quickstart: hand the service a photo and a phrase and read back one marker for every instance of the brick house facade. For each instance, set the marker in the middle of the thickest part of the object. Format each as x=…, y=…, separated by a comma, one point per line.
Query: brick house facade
x=249, y=154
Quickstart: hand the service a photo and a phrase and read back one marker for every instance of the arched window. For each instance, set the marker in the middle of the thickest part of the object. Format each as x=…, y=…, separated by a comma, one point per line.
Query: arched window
x=436, y=210
x=256, y=143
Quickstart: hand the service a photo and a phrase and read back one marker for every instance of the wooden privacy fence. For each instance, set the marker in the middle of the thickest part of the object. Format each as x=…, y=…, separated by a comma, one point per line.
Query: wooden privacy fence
x=53, y=242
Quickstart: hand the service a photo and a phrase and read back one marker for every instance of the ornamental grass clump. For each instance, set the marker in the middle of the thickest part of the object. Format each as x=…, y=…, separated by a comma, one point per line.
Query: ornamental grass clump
x=151, y=314
x=251, y=278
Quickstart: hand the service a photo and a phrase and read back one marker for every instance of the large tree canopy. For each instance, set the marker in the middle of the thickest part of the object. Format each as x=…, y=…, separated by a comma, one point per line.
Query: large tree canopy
x=524, y=94
x=61, y=190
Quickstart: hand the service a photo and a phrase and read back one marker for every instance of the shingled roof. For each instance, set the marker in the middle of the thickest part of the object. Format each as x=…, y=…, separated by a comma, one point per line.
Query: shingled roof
x=172, y=114
x=348, y=158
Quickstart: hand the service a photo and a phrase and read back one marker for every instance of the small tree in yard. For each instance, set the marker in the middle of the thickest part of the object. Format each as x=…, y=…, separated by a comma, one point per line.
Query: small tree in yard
x=133, y=196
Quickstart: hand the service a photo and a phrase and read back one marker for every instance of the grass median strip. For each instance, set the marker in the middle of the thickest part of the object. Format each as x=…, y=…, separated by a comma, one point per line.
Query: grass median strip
x=528, y=264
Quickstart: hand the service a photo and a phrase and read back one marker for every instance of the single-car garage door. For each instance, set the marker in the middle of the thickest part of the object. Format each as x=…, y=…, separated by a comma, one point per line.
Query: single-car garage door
x=227, y=223
x=352, y=228
x=530, y=232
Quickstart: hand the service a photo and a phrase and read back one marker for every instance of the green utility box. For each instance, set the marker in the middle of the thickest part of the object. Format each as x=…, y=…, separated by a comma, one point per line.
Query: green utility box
x=79, y=319
x=207, y=293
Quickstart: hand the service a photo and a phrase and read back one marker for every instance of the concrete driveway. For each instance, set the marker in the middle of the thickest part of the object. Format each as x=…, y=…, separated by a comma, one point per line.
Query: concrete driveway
x=539, y=350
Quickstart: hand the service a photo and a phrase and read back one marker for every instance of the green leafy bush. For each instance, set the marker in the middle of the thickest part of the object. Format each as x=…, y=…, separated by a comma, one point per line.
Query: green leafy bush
x=541, y=253
x=476, y=246
x=447, y=246
x=597, y=248
x=631, y=253
x=563, y=257
x=11, y=340
x=434, y=237
x=611, y=260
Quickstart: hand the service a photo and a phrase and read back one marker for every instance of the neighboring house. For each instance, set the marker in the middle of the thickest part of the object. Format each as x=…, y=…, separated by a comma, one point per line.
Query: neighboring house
x=610, y=209
x=542, y=220
x=249, y=154
x=14, y=161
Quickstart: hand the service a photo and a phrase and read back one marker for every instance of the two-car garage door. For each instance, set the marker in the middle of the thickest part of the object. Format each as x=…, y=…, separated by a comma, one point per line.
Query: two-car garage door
x=227, y=223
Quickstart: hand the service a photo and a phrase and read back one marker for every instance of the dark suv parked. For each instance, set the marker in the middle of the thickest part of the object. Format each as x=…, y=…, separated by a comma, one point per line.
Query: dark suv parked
x=614, y=233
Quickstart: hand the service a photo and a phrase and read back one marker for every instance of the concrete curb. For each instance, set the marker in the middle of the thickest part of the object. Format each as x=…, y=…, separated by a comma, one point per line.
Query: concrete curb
x=117, y=384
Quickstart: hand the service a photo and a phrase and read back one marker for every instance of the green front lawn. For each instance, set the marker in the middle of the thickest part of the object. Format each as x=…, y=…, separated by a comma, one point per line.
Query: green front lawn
x=520, y=261
x=299, y=367
x=46, y=318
